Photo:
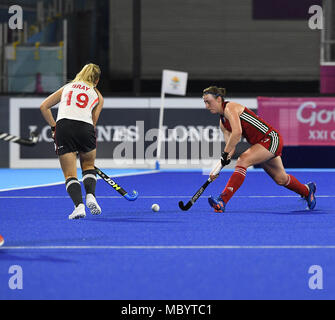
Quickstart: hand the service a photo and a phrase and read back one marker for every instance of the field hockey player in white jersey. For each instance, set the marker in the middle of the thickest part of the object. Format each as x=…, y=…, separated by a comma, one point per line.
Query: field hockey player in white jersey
x=80, y=105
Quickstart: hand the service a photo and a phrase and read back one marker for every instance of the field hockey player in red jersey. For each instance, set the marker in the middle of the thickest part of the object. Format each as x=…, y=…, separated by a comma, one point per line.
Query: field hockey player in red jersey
x=237, y=121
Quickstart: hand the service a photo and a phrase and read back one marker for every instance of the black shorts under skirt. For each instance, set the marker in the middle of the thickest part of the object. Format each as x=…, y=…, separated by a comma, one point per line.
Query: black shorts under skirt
x=74, y=136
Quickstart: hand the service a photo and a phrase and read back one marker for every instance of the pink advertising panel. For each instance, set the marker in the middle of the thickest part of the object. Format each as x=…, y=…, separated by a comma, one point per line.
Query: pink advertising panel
x=301, y=121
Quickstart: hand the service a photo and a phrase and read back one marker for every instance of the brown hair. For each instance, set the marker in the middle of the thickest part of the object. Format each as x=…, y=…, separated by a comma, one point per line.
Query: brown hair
x=89, y=74
x=215, y=91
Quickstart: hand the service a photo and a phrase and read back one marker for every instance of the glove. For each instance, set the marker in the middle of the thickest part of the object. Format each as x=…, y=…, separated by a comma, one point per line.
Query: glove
x=224, y=159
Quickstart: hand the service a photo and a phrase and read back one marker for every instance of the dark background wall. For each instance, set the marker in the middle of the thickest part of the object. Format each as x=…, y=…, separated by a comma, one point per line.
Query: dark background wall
x=88, y=39
x=224, y=42
x=4, y=127
x=215, y=40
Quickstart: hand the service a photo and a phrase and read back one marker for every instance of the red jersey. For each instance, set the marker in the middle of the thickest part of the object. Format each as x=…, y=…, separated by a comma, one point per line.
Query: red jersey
x=254, y=128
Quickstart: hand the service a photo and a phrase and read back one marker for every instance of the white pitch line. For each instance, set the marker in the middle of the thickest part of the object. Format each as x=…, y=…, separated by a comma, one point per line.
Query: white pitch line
x=168, y=248
x=152, y=197
x=121, y=175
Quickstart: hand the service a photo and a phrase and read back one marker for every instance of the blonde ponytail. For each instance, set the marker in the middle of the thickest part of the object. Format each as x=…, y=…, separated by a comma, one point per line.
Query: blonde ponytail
x=89, y=74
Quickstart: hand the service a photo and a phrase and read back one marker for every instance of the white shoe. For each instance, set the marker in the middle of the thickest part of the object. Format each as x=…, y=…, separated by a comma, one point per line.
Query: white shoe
x=91, y=203
x=78, y=213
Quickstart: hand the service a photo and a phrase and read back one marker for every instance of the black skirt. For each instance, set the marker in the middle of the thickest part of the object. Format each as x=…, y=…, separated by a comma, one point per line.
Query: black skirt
x=74, y=136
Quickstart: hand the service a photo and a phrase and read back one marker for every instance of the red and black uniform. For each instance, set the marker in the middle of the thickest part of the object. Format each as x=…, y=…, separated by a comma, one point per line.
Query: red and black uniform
x=257, y=131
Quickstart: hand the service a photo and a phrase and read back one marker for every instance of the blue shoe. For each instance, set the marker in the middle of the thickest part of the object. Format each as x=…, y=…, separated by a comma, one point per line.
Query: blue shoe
x=217, y=204
x=311, y=200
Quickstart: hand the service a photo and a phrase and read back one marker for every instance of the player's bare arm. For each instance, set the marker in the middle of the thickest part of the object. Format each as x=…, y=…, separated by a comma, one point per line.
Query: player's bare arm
x=214, y=174
x=97, y=110
x=232, y=114
x=227, y=135
x=48, y=103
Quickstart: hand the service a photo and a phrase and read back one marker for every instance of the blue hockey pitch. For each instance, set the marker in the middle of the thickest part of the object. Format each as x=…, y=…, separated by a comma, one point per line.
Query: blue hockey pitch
x=262, y=247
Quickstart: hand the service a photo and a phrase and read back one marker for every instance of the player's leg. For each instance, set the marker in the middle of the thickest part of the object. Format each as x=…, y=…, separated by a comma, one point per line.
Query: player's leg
x=256, y=154
x=275, y=169
x=87, y=161
x=68, y=163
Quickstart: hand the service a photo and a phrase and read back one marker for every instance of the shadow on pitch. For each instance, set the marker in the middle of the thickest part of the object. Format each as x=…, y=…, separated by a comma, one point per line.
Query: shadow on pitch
x=134, y=220
x=23, y=256
x=305, y=212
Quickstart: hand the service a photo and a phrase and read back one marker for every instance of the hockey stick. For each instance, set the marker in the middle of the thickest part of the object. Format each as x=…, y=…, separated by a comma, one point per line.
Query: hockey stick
x=189, y=204
x=113, y=184
x=31, y=142
x=195, y=197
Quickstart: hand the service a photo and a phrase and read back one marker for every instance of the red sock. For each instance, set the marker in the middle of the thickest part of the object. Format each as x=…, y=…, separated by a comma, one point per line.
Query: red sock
x=234, y=183
x=294, y=185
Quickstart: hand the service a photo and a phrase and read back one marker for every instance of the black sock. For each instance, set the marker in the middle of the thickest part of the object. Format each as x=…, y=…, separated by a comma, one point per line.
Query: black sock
x=90, y=181
x=73, y=188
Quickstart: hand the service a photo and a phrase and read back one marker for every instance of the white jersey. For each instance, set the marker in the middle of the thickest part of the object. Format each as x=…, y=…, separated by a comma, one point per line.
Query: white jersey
x=77, y=103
